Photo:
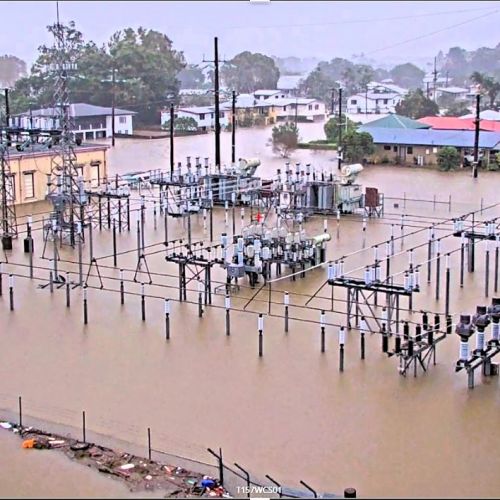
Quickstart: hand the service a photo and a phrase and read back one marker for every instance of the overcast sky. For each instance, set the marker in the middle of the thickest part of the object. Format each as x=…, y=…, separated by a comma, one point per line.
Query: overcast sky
x=300, y=28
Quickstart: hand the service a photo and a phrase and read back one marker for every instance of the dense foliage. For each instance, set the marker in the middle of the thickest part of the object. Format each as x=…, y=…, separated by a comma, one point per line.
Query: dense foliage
x=285, y=138
x=448, y=158
x=416, y=105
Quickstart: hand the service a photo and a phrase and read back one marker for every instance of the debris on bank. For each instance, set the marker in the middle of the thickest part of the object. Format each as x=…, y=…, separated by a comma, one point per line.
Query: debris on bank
x=139, y=473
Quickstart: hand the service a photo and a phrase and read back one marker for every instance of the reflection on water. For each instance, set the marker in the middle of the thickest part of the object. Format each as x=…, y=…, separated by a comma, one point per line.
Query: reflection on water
x=290, y=414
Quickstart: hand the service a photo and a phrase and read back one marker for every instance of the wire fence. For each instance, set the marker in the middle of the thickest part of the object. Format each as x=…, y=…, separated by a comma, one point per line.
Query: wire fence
x=236, y=478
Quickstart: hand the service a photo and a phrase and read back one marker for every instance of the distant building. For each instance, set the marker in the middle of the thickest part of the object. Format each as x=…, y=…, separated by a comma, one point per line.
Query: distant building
x=454, y=123
x=373, y=102
x=204, y=116
x=262, y=95
x=287, y=109
x=91, y=122
x=421, y=146
x=289, y=84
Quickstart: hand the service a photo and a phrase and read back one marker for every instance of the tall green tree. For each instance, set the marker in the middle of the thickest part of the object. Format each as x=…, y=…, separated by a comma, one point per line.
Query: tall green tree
x=332, y=128
x=248, y=72
x=407, y=75
x=416, y=105
x=448, y=158
x=357, y=146
x=191, y=77
x=285, y=138
x=11, y=69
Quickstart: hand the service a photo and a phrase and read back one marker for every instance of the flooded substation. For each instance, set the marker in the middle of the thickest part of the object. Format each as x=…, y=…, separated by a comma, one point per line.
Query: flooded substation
x=300, y=318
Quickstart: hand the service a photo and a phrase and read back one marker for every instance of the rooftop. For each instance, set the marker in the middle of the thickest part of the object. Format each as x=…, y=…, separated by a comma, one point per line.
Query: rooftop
x=455, y=123
x=398, y=121
x=431, y=137
x=266, y=92
x=78, y=110
x=488, y=114
x=453, y=90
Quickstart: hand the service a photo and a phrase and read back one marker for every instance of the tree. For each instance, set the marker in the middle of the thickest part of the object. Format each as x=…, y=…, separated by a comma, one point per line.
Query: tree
x=146, y=68
x=248, y=72
x=332, y=128
x=357, y=146
x=448, y=158
x=182, y=124
x=285, y=138
x=191, y=77
x=11, y=69
x=407, y=75
x=457, y=109
x=487, y=84
x=416, y=105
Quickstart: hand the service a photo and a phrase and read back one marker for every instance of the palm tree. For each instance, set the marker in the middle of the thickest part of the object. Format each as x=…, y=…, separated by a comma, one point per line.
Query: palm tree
x=487, y=84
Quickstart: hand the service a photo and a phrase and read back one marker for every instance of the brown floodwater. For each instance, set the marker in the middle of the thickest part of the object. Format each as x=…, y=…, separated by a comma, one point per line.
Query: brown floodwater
x=289, y=414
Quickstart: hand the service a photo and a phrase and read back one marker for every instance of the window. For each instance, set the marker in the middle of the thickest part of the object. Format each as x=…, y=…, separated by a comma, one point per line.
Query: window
x=29, y=185
x=395, y=149
x=316, y=106
x=434, y=150
x=79, y=170
x=386, y=101
x=354, y=101
x=310, y=106
x=122, y=119
x=211, y=115
x=409, y=150
x=387, y=147
x=221, y=115
x=284, y=108
x=202, y=116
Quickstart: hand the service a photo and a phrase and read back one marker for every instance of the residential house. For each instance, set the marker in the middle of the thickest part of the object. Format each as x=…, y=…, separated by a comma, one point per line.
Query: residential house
x=456, y=93
x=30, y=167
x=204, y=116
x=376, y=102
x=289, y=84
x=454, y=123
x=398, y=121
x=421, y=146
x=289, y=109
x=262, y=95
x=90, y=122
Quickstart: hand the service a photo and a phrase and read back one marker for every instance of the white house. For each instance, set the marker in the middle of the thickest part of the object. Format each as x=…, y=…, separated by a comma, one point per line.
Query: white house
x=287, y=108
x=457, y=93
x=262, y=95
x=386, y=86
x=373, y=102
x=90, y=122
x=203, y=115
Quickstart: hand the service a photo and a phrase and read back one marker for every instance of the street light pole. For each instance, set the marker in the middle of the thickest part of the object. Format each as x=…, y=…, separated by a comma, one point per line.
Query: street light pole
x=339, y=146
x=233, y=129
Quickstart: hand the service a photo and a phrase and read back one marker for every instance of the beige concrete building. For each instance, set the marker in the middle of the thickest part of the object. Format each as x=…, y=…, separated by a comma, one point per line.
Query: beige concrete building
x=29, y=170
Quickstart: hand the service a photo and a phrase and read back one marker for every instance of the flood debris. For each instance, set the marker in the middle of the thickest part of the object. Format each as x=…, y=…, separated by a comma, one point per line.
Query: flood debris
x=137, y=472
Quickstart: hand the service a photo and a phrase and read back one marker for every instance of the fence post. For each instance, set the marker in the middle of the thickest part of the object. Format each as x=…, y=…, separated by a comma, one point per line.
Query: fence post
x=221, y=464
x=11, y=291
x=20, y=412
x=247, y=475
x=149, y=443
x=83, y=427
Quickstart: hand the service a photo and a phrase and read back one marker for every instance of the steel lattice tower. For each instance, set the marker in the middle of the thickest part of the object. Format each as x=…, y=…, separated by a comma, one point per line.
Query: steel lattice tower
x=65, y=189
x=8, y=210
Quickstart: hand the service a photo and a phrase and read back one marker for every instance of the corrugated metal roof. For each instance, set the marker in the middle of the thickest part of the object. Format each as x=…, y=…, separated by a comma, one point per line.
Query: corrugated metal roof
x=488, y=114
x=431, y=137
x=398, y=121
x=454, y=123
x=79, y=110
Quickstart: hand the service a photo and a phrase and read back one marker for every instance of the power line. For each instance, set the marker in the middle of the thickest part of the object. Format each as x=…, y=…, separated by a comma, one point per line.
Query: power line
x=357, y=21
x=420, y=37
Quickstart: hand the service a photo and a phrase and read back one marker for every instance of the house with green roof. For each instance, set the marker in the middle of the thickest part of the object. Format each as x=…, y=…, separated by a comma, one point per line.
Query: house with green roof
x=397, y=121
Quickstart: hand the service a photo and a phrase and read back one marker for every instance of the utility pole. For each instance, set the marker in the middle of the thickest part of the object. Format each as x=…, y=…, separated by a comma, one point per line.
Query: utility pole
x=339, y=146
x=171, y=138
x=476, y=136
x=7, y=108
x=434, y=80
x=233, y=129
x=333, y=97
x=366, y=99
x=296, y=106
x=113, y=81
x=217, y=120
